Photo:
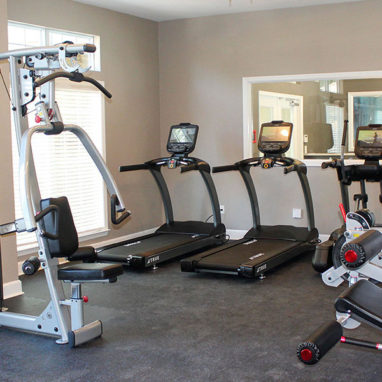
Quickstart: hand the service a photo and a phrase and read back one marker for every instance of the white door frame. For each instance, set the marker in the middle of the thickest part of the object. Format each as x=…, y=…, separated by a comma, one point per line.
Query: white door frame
x=298, y=144
x=248, y=107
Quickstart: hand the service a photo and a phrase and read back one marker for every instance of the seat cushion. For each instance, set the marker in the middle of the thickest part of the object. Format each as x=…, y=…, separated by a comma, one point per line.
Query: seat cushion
x=67, y=242
x=90, y=271
x=364, y=301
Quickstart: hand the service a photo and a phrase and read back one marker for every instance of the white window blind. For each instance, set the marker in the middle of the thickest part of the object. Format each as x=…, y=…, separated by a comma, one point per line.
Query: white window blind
x=63, y=165
x=335, y=117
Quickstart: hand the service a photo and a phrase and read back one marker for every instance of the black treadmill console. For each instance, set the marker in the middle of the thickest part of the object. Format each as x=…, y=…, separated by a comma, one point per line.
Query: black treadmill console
x=275, y=137
x=368, y=144
x=182, y=138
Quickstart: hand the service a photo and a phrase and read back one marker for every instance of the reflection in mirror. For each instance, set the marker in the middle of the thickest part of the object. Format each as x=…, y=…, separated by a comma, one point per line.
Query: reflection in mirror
x=317, y=110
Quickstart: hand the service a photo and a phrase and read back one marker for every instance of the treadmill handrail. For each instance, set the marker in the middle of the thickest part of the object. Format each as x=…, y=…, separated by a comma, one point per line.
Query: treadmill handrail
x=188, y=164
x=289, y=164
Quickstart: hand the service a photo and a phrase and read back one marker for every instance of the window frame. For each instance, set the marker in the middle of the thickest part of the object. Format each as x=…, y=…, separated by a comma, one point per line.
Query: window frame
x=32, y=247
x=248, y=105
x=46, y=30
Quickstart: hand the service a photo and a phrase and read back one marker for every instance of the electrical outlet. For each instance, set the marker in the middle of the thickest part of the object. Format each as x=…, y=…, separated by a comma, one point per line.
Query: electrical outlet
x=297, y=213
x=222, y=209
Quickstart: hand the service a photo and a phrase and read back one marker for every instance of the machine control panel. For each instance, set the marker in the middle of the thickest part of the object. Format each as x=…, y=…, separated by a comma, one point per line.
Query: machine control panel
x=275, y=137
x=182, y=138
x=368, y=144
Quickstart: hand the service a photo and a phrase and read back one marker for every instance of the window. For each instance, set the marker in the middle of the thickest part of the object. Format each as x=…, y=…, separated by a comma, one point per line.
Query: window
x=62, y=164
x=25, y=35
x=330, y=86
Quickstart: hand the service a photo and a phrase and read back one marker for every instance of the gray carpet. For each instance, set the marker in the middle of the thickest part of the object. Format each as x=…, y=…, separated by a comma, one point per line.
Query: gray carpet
x=166, y=325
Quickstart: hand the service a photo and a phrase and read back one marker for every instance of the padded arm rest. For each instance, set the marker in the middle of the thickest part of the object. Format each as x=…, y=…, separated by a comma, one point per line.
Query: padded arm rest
x=83, y=254
x=90, y=272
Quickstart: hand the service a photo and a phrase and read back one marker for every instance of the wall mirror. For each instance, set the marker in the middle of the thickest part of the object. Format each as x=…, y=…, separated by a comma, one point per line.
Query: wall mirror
x=317, y=105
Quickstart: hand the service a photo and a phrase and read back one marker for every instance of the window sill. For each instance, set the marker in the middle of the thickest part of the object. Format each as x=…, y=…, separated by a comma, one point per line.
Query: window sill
x=89, y=235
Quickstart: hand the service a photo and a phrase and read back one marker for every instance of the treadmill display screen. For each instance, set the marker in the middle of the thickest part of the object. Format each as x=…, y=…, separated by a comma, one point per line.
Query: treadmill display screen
x=368, y=143
x=275, y=137
x=370, y=138
x=183, y=135
x=182, y=138
x=275, y=134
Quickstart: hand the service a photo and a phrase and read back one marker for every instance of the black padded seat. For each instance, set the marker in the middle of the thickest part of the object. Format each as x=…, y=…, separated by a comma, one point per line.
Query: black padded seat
x=364, y=301
x=90, y=271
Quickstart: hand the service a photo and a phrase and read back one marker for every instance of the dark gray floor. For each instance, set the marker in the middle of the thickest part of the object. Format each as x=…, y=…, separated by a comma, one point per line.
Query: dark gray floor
x=172, y=326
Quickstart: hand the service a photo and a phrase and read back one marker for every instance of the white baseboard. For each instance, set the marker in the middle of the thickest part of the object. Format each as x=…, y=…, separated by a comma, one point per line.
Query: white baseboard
x=12, y=289
x=236, y=234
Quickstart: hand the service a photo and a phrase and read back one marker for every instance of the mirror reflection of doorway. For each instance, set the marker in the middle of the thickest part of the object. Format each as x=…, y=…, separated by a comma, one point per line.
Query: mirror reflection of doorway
x=285, y=107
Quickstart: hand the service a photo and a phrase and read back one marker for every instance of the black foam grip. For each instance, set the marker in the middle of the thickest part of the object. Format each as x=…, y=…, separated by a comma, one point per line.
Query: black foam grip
x=365, y=247
x=133, y=167
x=319, y=343
x=31, y=265
x=289, y=169
x=224, y=168
x=189, y=167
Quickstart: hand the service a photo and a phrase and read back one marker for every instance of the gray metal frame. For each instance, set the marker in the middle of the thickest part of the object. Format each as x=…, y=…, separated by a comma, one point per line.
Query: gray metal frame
x=63, y=317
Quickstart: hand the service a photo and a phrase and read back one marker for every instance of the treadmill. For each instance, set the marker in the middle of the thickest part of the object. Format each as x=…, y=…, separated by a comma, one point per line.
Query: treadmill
x=173, y=238
x=263, y=247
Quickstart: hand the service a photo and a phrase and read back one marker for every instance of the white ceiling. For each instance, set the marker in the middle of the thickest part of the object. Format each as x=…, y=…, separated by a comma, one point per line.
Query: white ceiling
x=162, y=10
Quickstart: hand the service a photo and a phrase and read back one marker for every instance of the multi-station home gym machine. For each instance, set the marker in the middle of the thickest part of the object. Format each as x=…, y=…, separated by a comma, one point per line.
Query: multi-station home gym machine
x=33, y=72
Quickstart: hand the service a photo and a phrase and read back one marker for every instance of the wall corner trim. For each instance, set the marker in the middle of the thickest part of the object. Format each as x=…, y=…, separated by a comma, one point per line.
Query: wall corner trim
x=12, y=289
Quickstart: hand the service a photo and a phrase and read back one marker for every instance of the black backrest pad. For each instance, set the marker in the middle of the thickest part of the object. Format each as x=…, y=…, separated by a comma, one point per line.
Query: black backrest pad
x=67, y=242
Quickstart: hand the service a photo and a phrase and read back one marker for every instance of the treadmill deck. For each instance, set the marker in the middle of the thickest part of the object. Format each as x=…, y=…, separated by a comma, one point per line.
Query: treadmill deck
x=148, y=250
x=246, y=257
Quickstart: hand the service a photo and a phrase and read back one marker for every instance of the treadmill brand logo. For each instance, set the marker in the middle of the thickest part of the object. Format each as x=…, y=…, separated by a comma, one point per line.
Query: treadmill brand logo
x=262, y=268
x=152, y=259
x=130, y=244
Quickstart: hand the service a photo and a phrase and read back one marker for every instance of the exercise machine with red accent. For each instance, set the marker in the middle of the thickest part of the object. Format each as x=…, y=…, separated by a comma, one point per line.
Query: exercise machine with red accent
x=362, y=302
x=368, y=147
x=345, y=265
x=33, y=71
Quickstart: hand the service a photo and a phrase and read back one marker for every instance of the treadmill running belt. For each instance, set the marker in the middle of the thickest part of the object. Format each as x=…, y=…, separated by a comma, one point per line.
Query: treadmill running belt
x=248, y=252
x=149, y=246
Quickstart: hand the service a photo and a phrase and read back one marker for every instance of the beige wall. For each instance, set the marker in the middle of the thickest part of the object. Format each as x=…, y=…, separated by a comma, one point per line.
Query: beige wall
x=202, y=63
x=8, y=243
x=129, y=62
x=199, y=79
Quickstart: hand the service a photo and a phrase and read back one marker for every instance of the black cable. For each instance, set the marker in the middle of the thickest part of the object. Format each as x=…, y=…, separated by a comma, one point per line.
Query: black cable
x=5, y=85
x=209, y=217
